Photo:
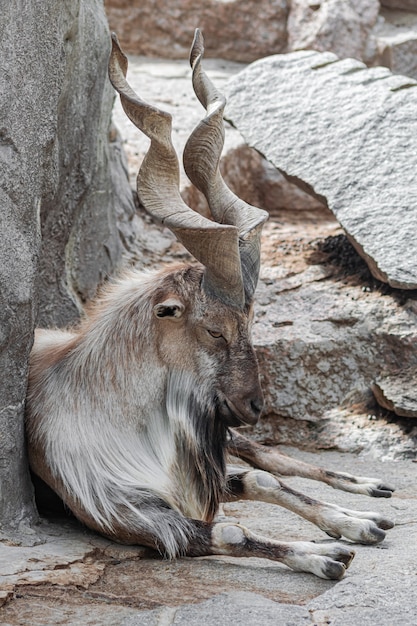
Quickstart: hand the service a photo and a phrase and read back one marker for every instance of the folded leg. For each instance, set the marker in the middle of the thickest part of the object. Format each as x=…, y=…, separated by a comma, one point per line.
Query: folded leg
x=270, y=460
x=170, y=533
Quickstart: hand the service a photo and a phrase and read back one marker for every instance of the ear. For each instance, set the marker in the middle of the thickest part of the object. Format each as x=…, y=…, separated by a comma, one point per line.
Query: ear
x=171, y=308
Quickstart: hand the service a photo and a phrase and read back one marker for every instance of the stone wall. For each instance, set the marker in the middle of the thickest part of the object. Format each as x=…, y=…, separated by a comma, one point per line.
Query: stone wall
x=377, y=33
x=237, y=30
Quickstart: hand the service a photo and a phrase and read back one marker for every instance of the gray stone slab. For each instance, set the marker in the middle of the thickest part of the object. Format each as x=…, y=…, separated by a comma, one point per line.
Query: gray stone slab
x=347, y=134
x=239, y=609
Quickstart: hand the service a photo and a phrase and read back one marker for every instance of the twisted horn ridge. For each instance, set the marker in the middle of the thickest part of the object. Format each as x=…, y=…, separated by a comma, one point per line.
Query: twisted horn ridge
x=216, y=246
x=201, y=163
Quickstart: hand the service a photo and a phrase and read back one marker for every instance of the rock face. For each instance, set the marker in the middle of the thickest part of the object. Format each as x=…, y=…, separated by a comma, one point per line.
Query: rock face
x=57, y=185
x=238, y=30
x=344, y=133
x=324, y=332
x=81, y=242
x=319, y=344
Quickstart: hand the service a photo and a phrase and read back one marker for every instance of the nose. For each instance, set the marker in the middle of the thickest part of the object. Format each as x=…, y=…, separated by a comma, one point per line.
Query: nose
x=251, y=407
x=257, y=404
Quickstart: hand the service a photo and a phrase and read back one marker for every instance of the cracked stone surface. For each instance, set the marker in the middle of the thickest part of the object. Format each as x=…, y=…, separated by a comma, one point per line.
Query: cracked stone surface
x=398, y=392
x=345, y=133
x=77, y=577
x=319, y=336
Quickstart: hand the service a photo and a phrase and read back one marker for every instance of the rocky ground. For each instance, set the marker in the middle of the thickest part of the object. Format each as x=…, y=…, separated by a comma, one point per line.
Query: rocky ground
x=317, y=305
x=79, y=578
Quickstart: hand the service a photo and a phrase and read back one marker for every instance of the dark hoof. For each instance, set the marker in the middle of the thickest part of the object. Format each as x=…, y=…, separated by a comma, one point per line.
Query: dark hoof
x=381, y=492
x=334, y=570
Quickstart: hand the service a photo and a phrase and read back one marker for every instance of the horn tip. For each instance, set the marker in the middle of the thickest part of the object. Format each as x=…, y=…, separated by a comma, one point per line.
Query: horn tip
x=197, y=47
x=117, y=61
x=115, y=42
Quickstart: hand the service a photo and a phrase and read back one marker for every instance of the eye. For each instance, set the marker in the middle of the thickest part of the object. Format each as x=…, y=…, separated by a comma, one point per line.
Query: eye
x=215, y=333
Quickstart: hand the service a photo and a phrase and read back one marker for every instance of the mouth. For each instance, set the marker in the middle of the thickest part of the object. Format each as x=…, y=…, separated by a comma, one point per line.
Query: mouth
x=233, y=416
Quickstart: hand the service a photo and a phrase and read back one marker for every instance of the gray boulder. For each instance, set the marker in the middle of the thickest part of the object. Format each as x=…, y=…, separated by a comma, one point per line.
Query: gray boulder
x=345, y=134
x=340, y=26
x=81, y=241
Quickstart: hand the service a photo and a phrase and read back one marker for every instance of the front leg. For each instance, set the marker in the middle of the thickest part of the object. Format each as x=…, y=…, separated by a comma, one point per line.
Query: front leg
x=361, y=527
x=328, y=561
x=270, y=460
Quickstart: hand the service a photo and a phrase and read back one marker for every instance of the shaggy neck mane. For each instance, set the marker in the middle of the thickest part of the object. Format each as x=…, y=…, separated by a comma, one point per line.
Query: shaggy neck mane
x=200, y=440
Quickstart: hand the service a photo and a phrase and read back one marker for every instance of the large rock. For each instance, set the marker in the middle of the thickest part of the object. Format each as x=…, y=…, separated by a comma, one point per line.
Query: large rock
x=238, y=30
x=57, y=184
x=321, y=342
x=324, y=332
x=340, y=26
x=345, y=133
